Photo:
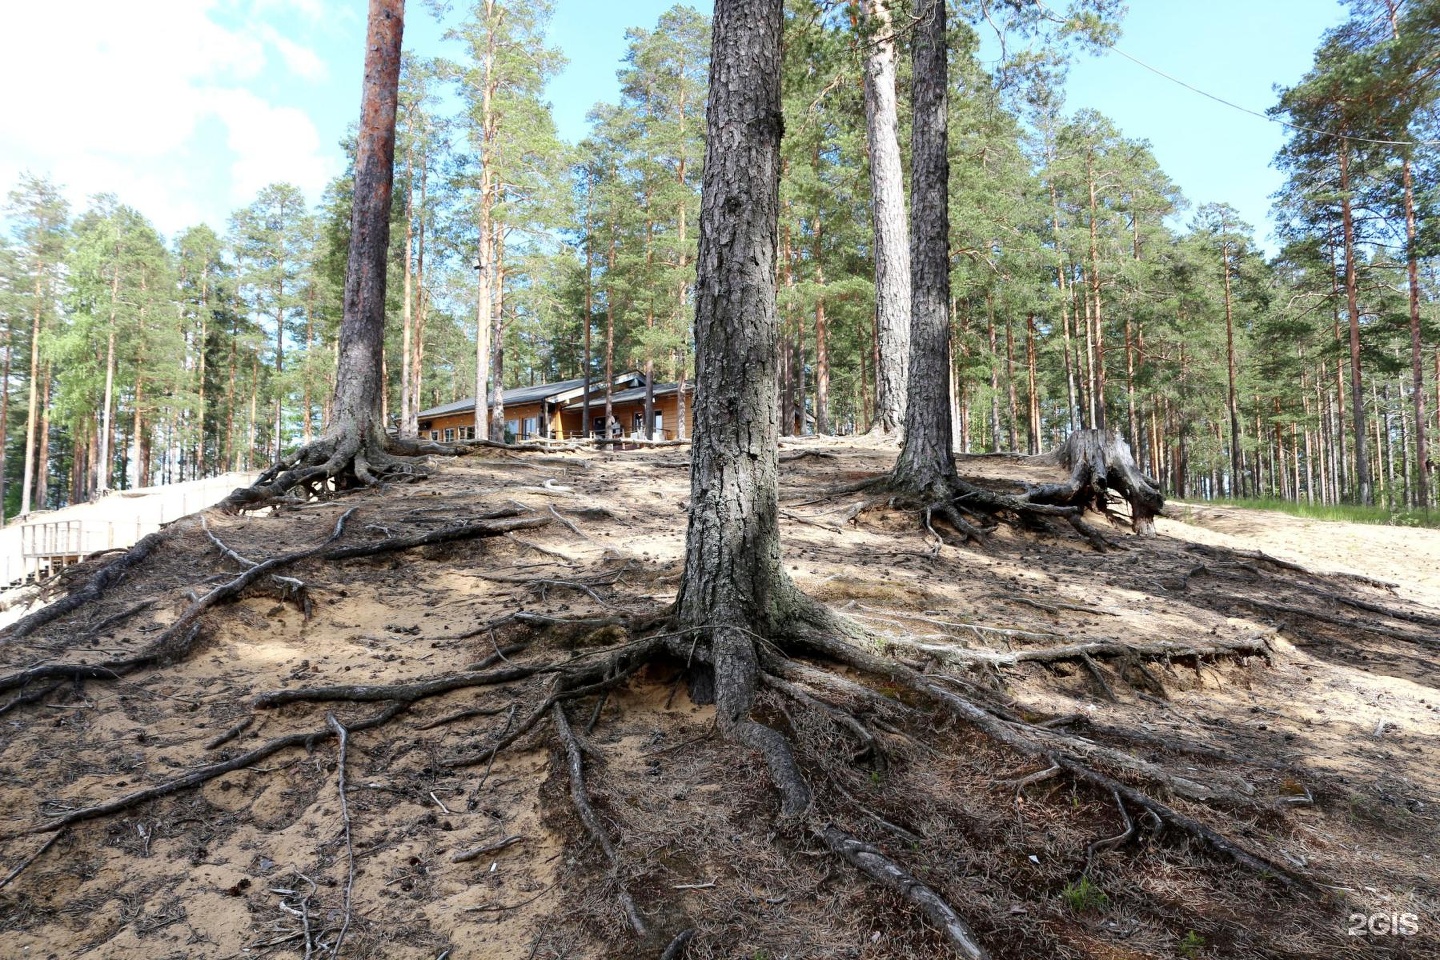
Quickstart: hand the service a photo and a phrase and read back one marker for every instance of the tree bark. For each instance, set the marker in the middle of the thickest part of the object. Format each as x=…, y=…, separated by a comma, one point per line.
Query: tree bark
x=418, y=343
x=1364, y=487
x=1063, y=299
x=733, y=585
x=32, y=408
x=497, y=341
x=1100, y=461
x=107, y=416
x=1098, y=362
x=483, y=303
x=892, y=252
x=356, y=407
x=1232, y=403
x=4, y=420
x=409, y=427
x=1032, y=394
x=42, y=458
x=589, y=227
x=926, y=463
x=822, y=348
x=1417, y=350
x=610, y=333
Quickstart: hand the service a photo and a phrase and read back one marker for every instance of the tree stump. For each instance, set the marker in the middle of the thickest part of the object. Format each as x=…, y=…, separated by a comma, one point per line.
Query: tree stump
x=1100, y=462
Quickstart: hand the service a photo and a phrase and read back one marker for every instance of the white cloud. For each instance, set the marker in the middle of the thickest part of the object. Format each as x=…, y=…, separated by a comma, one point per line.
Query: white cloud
x=129, y=98
x=270, y=144
x=302, y=61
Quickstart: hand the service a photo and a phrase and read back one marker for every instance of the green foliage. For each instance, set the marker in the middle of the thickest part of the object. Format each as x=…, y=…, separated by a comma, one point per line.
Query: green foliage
x=1083, y=896
x=1339, y=512
x=1080, y=293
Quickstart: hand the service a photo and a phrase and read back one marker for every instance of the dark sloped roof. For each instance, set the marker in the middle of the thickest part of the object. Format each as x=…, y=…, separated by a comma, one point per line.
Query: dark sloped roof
x=516, y=396
x=628, y=396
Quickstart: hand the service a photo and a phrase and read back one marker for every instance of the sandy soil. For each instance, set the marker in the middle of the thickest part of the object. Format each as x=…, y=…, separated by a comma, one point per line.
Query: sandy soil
x=1320, y=754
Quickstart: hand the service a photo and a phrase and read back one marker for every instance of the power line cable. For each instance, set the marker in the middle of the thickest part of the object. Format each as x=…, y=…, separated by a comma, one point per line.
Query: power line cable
x=1264, y=116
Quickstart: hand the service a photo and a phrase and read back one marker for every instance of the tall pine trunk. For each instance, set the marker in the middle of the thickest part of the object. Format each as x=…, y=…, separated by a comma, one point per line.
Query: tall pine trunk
x=1364, y=487
x=1417, y=350
x=892, y=253
x=409, y=427
x=926, y=463
x=822, y=333
x=32, y=412
x=107, y=415
x=1232, y=403
x=483, y=265
x=497, y=341
x=355, y=411
x=734, y=586
x=42, y=457
x=4, y=420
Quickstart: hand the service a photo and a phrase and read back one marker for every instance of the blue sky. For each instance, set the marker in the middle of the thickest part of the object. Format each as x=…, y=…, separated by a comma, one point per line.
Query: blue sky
x=186, y=111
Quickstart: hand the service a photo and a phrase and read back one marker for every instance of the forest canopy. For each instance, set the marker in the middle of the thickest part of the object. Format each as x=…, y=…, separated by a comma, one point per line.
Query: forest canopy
x=1085, y=290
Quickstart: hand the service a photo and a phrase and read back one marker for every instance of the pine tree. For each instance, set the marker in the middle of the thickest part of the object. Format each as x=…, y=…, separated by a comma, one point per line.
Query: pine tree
x=892, y=244
x=270, y=241
x=38, y=216
x=517, y=158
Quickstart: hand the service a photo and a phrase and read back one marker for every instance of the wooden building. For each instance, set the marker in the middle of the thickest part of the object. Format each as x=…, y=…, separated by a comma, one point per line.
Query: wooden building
x=628, y=407
x=556, y=410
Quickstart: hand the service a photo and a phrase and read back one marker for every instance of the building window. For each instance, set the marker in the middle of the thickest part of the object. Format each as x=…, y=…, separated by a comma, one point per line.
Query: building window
x=434, y=434
x=467, y=433
x=449, y=434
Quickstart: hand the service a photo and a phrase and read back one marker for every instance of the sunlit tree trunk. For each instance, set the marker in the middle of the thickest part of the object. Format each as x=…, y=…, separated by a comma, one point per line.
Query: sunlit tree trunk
x=926, y=462
x=892, y=252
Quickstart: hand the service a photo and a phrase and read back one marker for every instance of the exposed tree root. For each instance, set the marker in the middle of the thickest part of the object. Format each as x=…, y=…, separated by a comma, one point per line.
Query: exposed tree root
x=1106, y=649
x=176, y=641
x=601, y=670
x=343, y=735
x=93, y=589
x=204, y=774
x=1058, y=751
x=855, y=709
x=872, y=862
x=20, y=867
x=29, y=696
x=401, y=692
x=350, y=456
x=1357, y=626
x=676, y=948
x=1276, y=562
x=581, y=798
x=1099, y=462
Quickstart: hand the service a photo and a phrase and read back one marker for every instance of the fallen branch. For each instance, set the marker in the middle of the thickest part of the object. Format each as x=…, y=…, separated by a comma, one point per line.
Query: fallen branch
x=468, y=855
